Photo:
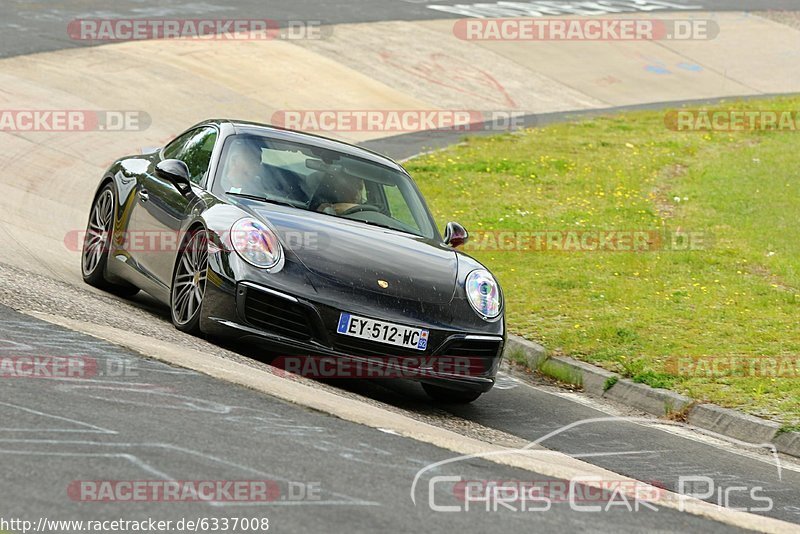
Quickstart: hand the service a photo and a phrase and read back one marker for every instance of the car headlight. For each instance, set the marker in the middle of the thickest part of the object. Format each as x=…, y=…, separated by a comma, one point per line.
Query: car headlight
x=255, y=243
x=483, y=294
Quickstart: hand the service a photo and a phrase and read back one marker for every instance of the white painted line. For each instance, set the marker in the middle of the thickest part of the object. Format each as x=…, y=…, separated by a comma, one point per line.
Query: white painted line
x=682, y=430
x=91, y=428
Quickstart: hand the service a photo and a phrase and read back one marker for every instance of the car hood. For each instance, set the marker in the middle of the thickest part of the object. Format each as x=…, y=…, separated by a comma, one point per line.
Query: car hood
x=355, y=256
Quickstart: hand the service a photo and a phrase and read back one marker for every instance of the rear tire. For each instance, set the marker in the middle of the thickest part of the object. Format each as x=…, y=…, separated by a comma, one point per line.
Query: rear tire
x=450, y=396
x=189, y=283
x=97, y=243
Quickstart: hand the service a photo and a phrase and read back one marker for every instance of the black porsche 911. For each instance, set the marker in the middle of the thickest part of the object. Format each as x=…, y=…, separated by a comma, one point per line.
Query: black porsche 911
x=307, y=245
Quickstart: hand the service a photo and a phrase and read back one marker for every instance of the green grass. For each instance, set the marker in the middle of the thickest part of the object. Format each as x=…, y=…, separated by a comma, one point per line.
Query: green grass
x=630, y=311
x=610, y=381
x=560, y=372
x=785, y=429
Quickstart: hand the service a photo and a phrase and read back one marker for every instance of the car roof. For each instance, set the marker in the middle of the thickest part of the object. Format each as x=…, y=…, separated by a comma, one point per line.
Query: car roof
x=255, y=128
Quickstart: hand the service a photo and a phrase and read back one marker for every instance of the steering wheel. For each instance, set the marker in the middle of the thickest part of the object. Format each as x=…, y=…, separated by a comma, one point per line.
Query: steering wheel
x=359, y=208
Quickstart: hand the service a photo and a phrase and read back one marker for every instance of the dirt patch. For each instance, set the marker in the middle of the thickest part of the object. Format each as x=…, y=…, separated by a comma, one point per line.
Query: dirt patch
x=776, y=281
x=661, y=194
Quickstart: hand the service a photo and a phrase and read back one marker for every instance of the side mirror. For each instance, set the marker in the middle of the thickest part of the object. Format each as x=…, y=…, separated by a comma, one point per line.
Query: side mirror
x=176, y=172
x=455, y=235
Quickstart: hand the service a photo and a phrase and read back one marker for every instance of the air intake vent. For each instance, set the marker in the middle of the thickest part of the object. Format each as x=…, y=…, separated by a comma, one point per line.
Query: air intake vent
x=278, y=315
x=473, y=349
x=472, y=357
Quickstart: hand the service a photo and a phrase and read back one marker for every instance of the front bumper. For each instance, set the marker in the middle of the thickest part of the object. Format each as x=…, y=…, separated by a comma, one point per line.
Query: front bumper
x=292, y=325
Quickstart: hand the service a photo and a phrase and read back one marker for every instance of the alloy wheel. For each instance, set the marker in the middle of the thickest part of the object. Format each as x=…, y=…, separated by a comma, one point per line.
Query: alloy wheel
x=98, y=233
x=190, y=279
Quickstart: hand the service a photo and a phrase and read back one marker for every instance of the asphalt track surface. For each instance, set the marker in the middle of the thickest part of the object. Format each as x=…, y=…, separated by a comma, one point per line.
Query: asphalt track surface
x=156, y=422
x=171, y=423
x=635, y=448
x=28, y=27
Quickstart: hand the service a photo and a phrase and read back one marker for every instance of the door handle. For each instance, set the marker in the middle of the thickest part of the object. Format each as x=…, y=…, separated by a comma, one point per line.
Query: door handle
x=144, y=195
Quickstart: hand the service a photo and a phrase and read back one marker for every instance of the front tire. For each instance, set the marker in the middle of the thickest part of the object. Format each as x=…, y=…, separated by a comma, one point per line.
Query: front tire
x=97, y=243
x=189, y=283
x=450, y=396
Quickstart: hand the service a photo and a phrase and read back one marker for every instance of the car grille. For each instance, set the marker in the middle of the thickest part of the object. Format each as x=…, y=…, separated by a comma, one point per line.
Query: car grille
x=277, y=315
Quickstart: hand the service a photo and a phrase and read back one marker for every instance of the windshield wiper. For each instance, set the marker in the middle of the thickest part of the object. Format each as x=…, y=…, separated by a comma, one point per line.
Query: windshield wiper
x=263, y=199
x=379, y=225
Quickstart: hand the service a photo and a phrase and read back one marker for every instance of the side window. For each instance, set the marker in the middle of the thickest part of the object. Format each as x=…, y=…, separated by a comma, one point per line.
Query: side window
x=398, y=207
x=173, y=149
x=194, y=148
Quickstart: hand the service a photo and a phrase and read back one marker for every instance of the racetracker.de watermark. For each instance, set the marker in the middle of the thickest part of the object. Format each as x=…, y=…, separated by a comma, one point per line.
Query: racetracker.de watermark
x=594, y=29
x=545, y=8
x=172, y=241
x=48, y=367
x=688, y=120
x=734, y=366
x=380, y=367
x=196, y=29
x=587, y=241
x=400, y=120
x=174, y=491
x=65, y=367
x=73, y=120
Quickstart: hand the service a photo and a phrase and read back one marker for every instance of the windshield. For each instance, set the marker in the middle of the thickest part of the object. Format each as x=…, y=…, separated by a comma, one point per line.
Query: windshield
x=323, y=181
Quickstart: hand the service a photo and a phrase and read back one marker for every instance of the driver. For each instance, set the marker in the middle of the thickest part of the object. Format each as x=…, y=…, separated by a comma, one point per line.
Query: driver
x=341, y=192
x=243, y=171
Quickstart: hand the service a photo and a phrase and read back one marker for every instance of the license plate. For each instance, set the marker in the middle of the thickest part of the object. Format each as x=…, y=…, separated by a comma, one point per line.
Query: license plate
x=383, y=332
